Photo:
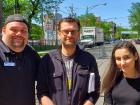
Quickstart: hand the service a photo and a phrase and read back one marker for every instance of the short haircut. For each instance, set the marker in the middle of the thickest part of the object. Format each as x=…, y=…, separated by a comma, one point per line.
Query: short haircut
x=70, y=20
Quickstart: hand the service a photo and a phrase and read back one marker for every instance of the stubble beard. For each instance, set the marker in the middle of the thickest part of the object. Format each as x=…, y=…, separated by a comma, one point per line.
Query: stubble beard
x=69, y=44
x=18, y=45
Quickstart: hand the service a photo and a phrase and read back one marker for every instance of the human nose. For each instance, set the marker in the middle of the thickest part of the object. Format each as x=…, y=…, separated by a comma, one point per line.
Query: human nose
x=18, y=33
x=123, y=62
x=69, y=33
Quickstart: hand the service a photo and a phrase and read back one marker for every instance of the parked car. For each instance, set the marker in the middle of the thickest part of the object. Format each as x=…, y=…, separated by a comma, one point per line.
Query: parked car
x=137, y=41
x=115, y=41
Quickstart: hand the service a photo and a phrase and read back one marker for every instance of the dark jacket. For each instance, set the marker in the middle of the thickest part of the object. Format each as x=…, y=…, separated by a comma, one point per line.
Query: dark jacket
x=17, y=77
x=52, y=78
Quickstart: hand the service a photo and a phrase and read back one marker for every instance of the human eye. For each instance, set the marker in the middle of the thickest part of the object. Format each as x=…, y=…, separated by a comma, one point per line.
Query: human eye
x=118, y=58
x=13, y=30
x=74, y=31
x=24, y=31
x=65, y=32
x=126, y=57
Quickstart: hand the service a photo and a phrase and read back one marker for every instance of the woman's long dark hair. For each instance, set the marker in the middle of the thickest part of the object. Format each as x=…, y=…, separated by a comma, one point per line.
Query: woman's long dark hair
x=113, y=73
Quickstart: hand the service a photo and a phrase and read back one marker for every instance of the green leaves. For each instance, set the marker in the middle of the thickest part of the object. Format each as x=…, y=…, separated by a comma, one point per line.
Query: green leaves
x=32, y=9
x=134, y=17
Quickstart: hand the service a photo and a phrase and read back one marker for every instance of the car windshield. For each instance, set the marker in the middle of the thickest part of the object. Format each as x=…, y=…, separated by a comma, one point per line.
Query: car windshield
x=87, y=37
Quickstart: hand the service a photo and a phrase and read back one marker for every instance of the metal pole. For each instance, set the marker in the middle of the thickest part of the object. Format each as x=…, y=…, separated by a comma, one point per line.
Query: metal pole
x=56, y=41
x=55, y=21
x=42, y=38
x=91, y=7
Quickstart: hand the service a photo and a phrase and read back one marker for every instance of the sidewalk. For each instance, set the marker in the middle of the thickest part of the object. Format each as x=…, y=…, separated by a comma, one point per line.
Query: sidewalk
x=102, y=66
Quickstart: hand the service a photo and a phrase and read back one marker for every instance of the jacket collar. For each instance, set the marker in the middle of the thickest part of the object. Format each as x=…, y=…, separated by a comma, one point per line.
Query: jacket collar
x=3, y=50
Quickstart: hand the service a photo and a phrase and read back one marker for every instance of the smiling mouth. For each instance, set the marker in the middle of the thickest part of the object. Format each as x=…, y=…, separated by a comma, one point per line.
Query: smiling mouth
x=17, y=38
x=124, y=67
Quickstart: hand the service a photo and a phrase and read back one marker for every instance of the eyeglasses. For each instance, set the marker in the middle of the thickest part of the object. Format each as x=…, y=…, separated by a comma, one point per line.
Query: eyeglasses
x=66, y=32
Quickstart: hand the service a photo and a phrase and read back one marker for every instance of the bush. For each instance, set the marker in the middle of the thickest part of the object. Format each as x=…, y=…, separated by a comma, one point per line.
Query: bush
x=44, y=47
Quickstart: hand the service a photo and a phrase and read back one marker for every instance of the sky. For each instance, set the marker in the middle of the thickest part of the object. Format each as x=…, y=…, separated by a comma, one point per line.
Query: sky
x=115, y=10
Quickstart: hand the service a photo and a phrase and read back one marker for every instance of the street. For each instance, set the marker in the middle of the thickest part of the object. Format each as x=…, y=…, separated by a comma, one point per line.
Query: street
x=102, y=55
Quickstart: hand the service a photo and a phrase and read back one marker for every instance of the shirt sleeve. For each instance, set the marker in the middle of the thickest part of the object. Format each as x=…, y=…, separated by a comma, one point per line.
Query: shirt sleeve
x=42, y=84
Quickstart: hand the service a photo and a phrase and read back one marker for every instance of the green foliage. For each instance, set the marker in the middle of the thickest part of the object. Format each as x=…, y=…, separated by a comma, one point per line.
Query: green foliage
x=44, y=47
x=36, y=32
x=134, y=17
x=87, y=19
x=41, y=54
x=106, y=27
x=32, y=9
x=90, y=20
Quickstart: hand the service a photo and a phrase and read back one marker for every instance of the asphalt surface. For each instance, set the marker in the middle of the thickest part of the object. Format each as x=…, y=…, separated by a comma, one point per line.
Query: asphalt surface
x=103, y=62
x=102, y=55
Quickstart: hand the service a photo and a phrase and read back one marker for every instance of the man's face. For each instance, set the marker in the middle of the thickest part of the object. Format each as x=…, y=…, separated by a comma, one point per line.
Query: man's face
x=69, y=34
x=15, y=35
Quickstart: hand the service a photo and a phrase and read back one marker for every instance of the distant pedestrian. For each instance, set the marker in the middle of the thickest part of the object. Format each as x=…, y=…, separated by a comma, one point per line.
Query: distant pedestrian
x=121, y=84
x=69, y=75
x=18, y=63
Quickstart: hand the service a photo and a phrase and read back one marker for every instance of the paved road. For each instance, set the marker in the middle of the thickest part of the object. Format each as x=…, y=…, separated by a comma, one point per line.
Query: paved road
x=102, y=66
x=102, y=55
x=103, y=61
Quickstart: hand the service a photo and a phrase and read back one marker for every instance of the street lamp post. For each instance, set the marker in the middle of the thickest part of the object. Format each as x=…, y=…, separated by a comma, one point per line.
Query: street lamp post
x=91, y=7
x=55, y=24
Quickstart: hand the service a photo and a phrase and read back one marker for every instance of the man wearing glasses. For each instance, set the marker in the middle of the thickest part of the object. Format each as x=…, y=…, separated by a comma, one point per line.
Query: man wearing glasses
x=69, y=75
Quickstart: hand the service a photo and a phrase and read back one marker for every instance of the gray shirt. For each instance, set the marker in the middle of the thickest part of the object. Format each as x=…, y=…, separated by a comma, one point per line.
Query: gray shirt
x=68, y=61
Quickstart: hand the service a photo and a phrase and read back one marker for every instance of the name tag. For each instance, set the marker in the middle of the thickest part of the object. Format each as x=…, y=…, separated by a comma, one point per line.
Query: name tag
x=9, y=64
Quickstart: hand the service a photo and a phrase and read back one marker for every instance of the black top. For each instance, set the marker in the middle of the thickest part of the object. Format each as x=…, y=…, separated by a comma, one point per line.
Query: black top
x=126, y=92
x=17, y=77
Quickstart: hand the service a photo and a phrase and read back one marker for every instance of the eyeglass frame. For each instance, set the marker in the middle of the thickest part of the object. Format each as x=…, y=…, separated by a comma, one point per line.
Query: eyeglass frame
x=66, y=32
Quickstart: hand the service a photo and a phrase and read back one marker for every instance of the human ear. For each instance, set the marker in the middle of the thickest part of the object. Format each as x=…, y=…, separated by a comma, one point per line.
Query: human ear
x=3, y=30
x=78, y=34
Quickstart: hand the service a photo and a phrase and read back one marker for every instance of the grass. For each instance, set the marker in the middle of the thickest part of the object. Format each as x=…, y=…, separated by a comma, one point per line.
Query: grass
x=42, y=53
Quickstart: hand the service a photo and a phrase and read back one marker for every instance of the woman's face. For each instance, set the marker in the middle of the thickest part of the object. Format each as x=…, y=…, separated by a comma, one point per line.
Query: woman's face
x=125, y=60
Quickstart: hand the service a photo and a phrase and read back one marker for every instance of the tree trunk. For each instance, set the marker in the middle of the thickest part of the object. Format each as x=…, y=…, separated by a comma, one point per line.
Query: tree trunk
x=1, y=5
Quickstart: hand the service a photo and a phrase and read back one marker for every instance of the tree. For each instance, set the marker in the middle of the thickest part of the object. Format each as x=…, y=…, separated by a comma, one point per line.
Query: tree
x=1, y=14
x=31, y=8
x=106, y=27
x=87, y=19
x=134, y=18
x=36, y=32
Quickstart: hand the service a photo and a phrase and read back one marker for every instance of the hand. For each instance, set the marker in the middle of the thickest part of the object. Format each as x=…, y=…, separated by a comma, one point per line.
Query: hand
x=88, y=102
x=46, y=101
